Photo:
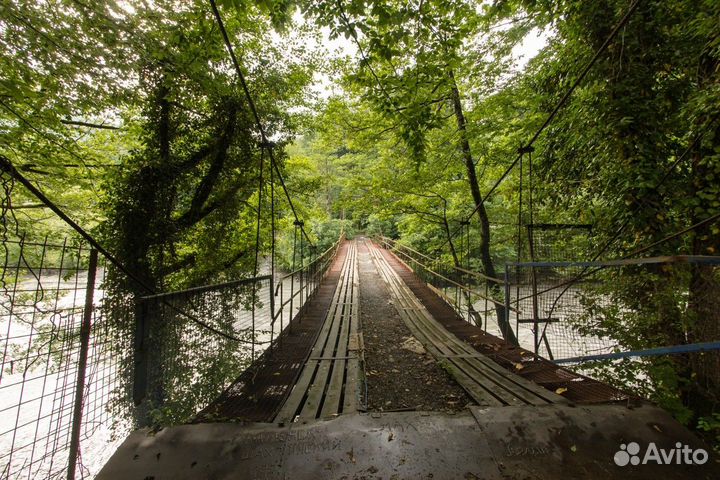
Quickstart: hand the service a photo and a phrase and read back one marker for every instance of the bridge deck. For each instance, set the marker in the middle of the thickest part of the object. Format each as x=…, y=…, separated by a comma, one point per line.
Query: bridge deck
x=330, y=380
x=486, y=382
x=518, y=430
x=315, y=370
x=259, y=393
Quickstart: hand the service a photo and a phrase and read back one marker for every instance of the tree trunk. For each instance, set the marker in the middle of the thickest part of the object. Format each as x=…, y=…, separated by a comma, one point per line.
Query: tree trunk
x=456, y=260
x=485, y=257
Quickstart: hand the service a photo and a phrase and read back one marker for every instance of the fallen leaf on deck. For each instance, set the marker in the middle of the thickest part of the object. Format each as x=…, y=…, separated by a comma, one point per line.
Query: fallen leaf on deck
x=412, y=344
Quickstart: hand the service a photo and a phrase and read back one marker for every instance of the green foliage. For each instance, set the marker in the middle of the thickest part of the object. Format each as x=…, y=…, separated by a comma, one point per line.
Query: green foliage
x=711, y=426
x=380, y=226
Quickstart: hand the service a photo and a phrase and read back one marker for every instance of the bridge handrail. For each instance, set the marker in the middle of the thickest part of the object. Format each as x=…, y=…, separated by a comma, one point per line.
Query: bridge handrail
x=207, y=288
x=465, y=288
x=458, y=285
x=332, y=248
x=310, y=276
x=396, y=244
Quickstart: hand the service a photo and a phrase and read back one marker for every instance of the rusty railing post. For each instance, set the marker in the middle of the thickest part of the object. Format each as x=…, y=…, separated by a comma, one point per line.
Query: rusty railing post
x=507, y=305
x=82, y=366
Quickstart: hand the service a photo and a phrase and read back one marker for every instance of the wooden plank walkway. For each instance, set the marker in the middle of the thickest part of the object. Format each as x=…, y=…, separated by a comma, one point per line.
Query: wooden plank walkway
x=329, y=383
x=486, y=382
x=315, y=369
x=259, y=393
x=578, y=388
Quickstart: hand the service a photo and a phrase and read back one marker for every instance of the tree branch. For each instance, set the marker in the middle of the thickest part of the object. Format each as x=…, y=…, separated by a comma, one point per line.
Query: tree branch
x=78, y=123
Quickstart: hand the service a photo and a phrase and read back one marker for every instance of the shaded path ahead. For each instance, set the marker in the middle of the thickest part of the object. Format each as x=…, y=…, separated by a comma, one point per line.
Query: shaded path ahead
x=420, y=355
x=400, y=373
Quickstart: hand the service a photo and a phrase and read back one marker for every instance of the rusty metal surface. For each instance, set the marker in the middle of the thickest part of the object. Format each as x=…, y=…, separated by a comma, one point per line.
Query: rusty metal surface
x=258, y=394
x=540, y=443
x=579, y=388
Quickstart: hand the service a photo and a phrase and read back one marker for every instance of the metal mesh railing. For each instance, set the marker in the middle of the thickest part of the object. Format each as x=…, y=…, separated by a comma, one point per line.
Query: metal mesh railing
x=578, y=311
x=555, y=242
x=293, y=290
x=182, y=365
x=45, y=290
x=477, y=298
x=156, y=359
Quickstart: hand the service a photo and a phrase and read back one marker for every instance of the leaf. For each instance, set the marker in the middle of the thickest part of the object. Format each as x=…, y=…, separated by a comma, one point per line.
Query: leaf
x=519, y=366
x=561, y=390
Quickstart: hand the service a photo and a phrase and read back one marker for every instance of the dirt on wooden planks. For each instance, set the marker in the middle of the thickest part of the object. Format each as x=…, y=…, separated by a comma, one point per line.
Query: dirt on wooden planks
x=400, y=374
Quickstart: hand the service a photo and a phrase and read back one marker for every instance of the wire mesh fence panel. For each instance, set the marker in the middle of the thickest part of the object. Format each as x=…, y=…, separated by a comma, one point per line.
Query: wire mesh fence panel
x=575, y=312
x=548, y=307
x=198, y=341
x=43, y=292
x=555, y=242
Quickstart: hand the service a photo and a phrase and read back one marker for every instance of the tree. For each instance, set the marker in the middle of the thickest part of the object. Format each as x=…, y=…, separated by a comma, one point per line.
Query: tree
x=411, y=56
x=183, y=209
x=614, y=157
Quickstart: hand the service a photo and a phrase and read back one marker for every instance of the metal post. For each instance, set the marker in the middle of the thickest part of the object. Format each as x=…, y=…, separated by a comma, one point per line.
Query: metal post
x=485, y=313
x=82, y=366
x=536, y=325
x=271, y=289
x=303, y=280
x=282, y=305
x=507, y=302
x=292, y=277
x=254, y=297
x=533, y=281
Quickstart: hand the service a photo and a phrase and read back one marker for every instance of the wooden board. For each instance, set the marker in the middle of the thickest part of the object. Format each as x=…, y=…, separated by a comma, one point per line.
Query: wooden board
x=329, y=381
x=486, y=381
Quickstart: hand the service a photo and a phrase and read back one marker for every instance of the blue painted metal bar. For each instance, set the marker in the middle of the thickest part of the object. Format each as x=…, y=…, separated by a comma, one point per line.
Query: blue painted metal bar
x=672, y=350
x=704, y=259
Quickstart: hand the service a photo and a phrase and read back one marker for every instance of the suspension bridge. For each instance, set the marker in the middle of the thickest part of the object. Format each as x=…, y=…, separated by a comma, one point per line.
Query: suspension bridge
x=280, y=375
x=268, y=377
x=299, y=411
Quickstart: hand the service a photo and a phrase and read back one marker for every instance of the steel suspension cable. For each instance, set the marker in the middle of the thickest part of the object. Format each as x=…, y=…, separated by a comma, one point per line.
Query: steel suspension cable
x=259, y=212
x=265, y=142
